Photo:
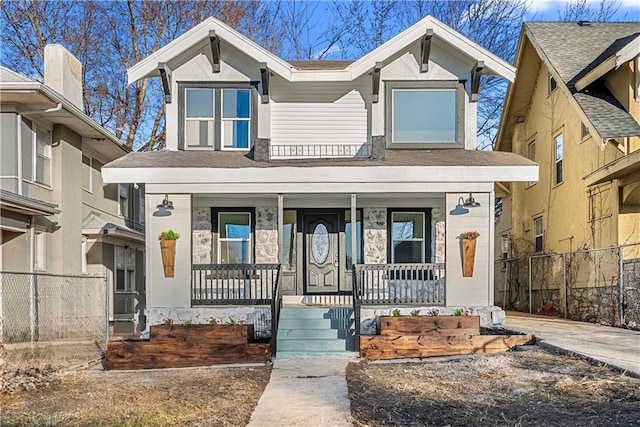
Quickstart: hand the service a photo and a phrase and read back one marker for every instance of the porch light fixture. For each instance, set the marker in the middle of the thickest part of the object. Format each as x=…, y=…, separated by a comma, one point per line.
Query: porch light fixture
x=459, y=209
x=471, y=202
x=164, y=208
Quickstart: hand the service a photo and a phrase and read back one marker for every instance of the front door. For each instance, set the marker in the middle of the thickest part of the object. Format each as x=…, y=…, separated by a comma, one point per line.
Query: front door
x=321, y=255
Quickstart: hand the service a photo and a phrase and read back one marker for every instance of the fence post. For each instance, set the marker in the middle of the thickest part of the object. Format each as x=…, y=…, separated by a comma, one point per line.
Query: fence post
x=530, y=302
x=621, y=286
x=566, y=285
x=106, y=307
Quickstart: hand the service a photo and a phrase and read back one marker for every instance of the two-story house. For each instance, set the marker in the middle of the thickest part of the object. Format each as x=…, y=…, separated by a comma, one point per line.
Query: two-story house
x=575, y=110
x=319, y=166
x=57, y=215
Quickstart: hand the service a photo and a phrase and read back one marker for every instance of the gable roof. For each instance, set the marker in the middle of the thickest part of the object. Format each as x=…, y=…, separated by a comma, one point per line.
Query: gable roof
x=575, y=53
x=148, y=67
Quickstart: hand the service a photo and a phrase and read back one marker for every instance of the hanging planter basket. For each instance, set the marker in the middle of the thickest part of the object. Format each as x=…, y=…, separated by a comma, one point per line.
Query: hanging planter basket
x=468, y=257
x=168, y=248
x=468, y=248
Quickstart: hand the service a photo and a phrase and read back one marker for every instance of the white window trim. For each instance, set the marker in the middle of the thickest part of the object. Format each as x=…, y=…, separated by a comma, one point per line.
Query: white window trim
x=393, y=114
x=40, y=251
x=200, y=119
x=531, y=143
x=120, y=213
x=132, y=286
x=48, y=155
x=423, y=239
x=556, y=160
x=227, y=239
x=90, y=189
x=234, y=119
x=541, y=235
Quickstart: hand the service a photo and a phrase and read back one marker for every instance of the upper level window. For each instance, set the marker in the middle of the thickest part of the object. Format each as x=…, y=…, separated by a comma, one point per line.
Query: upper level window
x=584, y=130
x=538, y=234
x=218, y=118
x=558, y=158
x=552, y=83
x=123, y=200
x=531, y=155
x=42, y=153
x=424, y=114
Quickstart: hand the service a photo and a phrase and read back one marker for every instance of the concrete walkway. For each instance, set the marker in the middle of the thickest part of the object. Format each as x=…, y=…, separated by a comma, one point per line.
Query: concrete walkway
x=617, y=347
x=305, y=392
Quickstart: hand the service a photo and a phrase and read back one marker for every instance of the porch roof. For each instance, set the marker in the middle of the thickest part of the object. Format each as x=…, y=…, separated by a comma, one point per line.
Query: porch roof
x=237, y=159
x=401, y=171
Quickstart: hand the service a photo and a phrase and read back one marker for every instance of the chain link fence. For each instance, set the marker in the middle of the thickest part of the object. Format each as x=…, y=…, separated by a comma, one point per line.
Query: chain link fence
x=52, y=319
x=598, y=285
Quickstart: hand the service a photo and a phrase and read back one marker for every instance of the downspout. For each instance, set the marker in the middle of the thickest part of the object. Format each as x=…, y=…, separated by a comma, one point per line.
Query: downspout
x=32, y=236
x=19, y=132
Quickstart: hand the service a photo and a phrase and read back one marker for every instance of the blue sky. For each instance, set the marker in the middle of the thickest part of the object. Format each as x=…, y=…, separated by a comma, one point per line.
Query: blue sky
x=549, y=10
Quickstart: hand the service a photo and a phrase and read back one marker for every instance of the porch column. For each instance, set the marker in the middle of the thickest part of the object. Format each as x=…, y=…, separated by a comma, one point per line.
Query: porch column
x=354, y=242
x=280, y=228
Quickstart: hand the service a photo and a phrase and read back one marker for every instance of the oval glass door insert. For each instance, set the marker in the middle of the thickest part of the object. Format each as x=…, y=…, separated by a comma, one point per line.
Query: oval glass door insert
x=320, y=244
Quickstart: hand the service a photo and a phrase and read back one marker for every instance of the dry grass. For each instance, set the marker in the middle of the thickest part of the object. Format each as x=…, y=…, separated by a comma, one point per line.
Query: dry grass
x=195, y=397
x=534, y=388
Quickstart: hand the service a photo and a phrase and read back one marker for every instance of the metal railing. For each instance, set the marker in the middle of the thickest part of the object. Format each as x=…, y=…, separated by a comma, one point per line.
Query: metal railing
x=233, y=284
x=276, y=305
x=356, y=307
x=320, y=151
x=596, y=285
x=57, y=319
x=400, y=283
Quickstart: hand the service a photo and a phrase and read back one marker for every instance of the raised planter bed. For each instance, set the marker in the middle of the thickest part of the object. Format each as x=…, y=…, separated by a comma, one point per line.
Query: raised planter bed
x=426, y=336
x=177, y=346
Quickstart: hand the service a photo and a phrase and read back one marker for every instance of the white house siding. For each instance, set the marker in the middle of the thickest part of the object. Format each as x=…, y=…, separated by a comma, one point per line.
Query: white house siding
x=319, y=113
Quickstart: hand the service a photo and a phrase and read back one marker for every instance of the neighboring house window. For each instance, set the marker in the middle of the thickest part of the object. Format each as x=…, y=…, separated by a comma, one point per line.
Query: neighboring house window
x=123, y=200
x=538, y=234
x=42, y=153
x=424, y=114
x=40, y=251
x=234, y=237
x=218, y=118
x=531, y=155
x=552, y=83
x=86, y=173
x=408, y=237
x=141, y=206
x=125, y=269
x=584, y=131
x=559, y=155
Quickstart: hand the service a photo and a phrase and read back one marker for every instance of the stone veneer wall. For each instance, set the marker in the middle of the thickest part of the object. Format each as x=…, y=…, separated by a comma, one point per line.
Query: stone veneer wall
x=375, y=235
x=437, y=234
x=202, y=236
x=266, y=235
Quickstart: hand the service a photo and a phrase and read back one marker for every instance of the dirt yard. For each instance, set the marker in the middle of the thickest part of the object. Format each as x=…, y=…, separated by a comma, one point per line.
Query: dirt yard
x=532, y=388
x=193, y=397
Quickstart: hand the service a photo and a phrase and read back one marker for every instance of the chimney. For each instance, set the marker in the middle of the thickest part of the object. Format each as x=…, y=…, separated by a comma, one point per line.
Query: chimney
x=63, y=73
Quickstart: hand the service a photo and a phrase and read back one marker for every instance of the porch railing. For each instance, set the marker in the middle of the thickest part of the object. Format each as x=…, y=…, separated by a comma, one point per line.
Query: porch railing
x=233, y=284
x=400, y=283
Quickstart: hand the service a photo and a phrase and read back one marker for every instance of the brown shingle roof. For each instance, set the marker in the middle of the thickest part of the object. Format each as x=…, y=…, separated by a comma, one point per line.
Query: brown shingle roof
x=321, y=64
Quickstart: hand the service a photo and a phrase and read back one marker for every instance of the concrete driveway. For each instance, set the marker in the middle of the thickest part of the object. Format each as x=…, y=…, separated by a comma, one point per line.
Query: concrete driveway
x=617, y=347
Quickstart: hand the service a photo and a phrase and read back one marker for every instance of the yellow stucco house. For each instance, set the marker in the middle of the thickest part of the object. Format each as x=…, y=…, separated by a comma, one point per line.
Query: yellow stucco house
x=574, y=109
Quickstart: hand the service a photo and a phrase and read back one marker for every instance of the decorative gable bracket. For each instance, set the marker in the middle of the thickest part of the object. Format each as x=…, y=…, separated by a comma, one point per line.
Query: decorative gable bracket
x=476, y=71
x=165, y=76
x=264, y=77
x=426, y=49
x=214, y=41
x=375, y=81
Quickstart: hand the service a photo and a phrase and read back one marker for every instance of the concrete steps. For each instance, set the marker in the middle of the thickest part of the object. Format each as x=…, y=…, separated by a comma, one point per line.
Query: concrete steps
x=312, y=331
